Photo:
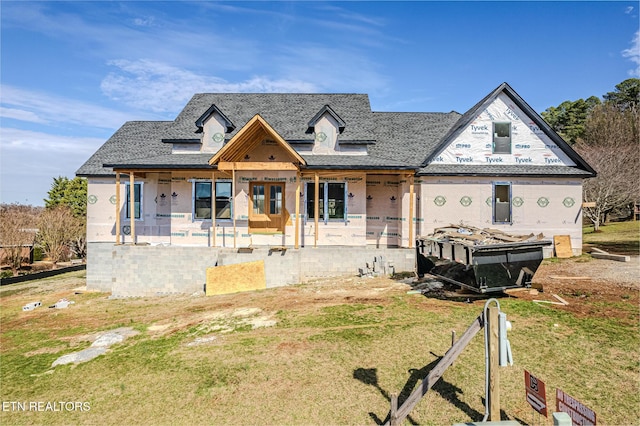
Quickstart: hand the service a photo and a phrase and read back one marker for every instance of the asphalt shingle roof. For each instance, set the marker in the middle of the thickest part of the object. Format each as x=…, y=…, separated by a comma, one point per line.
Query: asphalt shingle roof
x=395, y=140
x=135, y=140
x=409, y=136
x=501, y=170
x=288, y=113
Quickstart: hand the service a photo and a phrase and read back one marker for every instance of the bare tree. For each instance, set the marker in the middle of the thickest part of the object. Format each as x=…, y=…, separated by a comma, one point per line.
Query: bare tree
x=17, y=232
x=57, y=229
x=610, y=146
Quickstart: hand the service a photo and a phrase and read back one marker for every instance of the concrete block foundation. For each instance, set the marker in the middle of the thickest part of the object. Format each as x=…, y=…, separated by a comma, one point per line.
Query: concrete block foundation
x=151, y=270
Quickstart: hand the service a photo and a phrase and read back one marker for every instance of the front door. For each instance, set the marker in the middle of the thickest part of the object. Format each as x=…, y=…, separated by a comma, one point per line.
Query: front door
x=267, y=207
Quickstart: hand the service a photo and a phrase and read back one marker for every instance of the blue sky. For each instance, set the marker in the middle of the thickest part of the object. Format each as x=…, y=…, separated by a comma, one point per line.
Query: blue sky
x=73, y=72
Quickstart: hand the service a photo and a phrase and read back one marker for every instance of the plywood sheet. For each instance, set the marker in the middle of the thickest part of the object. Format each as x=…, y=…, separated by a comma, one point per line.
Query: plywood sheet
x=227, y=279
x=562, y=245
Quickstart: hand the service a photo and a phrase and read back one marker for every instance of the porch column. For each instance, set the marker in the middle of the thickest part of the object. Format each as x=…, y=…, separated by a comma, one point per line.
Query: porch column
x=213, y=208
x=411, y=208
x=297, y=228
x=132, y=210
x=233, y=210
x=118, y=208
x=315, y=208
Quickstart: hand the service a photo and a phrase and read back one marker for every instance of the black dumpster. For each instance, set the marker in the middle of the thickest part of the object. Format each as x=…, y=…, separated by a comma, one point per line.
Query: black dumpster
x=481, y=268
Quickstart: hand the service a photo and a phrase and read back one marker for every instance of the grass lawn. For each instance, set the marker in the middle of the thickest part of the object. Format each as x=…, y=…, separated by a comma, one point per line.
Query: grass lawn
x=616, y=237
x=335, y=354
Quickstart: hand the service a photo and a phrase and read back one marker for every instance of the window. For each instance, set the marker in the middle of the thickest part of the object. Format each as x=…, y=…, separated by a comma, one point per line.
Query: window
x=501, y=202
x=202, y=200
x=331, y=201
x=137, y=200
x=502, y=138
x=223, y=200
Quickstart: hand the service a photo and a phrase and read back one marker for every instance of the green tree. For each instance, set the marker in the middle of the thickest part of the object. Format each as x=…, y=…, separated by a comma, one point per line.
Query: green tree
x=626, y=95
x=568, y=118
x=69, y=192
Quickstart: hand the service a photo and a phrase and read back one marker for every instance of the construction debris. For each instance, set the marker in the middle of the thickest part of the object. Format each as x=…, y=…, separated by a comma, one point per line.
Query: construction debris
x=470, y=235
x=560, y=277
x=616, y=257
x=31, y=306
x=601, y=254
x=62, y=304
x=548, y=301
x=376, y=268
x=562, y=246
x=597, y=250
x=482, y=260
x=564, y=302
x=560, y=302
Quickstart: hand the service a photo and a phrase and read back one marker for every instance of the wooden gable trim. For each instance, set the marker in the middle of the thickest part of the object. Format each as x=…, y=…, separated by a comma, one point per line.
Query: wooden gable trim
x=248, y=138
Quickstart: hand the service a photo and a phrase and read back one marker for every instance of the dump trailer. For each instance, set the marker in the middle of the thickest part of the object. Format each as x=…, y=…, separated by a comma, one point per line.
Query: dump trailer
x=480, y=260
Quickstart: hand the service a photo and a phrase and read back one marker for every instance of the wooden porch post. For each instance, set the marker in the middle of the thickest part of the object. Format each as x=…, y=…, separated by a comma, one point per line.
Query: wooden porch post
x=316, y=209
x=411, y=208
x=213, y=208
x=117, y=207
x=233, y=194
x=297, y=228
x=132, y=210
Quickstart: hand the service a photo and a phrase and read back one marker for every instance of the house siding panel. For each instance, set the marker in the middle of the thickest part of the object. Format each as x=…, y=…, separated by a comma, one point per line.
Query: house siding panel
x=547, y=206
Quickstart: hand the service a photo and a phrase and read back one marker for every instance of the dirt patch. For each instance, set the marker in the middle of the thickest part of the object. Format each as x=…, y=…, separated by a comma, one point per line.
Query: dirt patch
x=592, y=287
x=598, y=285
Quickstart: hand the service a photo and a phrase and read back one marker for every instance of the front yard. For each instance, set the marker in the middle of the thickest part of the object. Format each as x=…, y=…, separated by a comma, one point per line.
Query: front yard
x=329, y=352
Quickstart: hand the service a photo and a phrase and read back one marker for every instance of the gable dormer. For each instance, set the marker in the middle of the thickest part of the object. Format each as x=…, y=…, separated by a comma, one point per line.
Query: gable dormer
x=214, y=127
x=326, y=125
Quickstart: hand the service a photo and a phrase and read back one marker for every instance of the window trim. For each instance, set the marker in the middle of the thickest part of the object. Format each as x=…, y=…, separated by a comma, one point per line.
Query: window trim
x=211, y=202
x=494, y=137
x=324, y=213
x=494, y=203
x=127, y=210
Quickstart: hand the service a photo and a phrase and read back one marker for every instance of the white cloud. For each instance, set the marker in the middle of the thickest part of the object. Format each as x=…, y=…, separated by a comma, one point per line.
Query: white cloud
x=30, y=161
x=335, y=70
x=28, y=141
x=44, y=108
x=628, y=10
x=156, y=86
x=633, y=53
x=20, y=114
x=144, y=22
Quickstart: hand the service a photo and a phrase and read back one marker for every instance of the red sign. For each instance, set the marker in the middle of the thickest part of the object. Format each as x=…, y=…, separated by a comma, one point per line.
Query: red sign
x=580, y=414
x=536, y=393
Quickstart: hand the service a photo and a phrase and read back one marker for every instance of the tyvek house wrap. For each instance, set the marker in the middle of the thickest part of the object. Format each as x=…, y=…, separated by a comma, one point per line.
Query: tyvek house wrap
x=529, y=144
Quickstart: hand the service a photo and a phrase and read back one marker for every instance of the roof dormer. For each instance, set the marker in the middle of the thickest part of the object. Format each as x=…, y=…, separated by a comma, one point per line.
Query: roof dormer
x=326, y=110
x=214, y=126
x=326, y=125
